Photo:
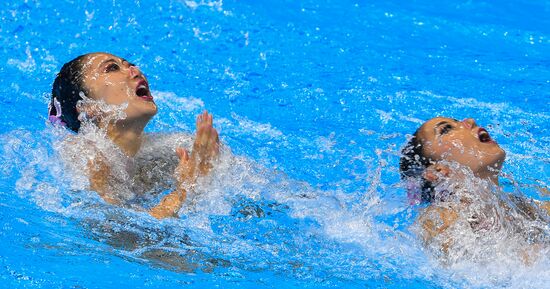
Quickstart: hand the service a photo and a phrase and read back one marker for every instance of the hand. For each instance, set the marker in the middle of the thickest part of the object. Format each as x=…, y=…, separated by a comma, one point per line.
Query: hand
x=205, y=149
x=99, y=175
x=185, y=173
x=207, y=143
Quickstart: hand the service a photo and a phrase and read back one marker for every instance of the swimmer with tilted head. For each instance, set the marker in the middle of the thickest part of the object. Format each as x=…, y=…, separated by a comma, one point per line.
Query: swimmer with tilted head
x=104, y=93
x=447, y=164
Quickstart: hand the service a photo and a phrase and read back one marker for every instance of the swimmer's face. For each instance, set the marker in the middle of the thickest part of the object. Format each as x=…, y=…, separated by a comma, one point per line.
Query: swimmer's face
x=116, y=81
x=461, y=141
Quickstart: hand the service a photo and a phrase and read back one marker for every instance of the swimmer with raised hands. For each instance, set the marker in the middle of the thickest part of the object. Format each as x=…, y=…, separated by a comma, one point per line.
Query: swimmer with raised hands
x=106, y=100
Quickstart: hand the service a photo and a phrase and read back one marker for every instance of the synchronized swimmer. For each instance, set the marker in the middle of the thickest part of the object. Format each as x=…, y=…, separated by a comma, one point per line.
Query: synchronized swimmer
x=442, y=150
x=452, y=166
x=84, y=93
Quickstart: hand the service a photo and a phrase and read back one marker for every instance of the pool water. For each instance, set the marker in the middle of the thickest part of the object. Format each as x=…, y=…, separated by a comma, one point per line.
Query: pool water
x=313, y=99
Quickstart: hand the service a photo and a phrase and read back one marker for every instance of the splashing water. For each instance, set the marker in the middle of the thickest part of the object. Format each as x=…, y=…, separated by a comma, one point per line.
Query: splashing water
x=312, y=113
x=249, y=217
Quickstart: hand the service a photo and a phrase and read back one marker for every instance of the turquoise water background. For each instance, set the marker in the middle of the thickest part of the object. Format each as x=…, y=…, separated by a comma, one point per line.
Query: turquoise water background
x=318, y=98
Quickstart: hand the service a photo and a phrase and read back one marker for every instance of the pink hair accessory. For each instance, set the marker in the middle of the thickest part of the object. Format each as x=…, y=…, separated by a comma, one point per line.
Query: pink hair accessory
x=55, y=119
x=414, y=192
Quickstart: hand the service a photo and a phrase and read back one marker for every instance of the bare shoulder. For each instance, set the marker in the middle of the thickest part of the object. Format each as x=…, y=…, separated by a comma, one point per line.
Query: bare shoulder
x=435, y=220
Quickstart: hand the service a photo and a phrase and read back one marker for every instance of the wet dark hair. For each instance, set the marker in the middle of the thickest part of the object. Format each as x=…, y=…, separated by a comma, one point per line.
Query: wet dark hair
x=66, y=89
x=412, y=165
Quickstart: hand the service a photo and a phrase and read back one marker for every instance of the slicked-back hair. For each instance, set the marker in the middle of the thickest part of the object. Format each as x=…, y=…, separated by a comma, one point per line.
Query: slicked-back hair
x=413, y=163
x=66, y=89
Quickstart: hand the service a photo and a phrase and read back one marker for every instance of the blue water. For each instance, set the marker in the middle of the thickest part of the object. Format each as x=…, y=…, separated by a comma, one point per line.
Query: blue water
x=314, y=97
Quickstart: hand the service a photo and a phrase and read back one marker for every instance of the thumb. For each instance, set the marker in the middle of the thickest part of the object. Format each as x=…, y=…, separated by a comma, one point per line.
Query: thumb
x=182, y=154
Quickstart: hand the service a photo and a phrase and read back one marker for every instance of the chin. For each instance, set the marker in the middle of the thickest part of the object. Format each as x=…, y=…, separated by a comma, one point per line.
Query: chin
x=148, y=108
x=497, y=161
x=135, y=114
x=153, y=110
x=501, y=156
x=151, y=113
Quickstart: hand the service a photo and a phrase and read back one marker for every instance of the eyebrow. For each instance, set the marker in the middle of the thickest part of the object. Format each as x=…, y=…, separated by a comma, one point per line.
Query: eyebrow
x=440, y=124
x=108, y=60
x=114, y=60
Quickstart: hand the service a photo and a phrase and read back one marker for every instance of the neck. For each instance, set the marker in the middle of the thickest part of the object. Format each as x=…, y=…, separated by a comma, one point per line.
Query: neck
x=489, y=175
x=127, y=136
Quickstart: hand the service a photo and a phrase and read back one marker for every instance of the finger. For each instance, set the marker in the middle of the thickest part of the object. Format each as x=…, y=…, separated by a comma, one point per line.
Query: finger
x=201, y=118
x=204, y=117
x=214, y=142
x=206, y=135
x=216, y=148
x=210, y=119
x=182, y=154
x=185, y=155
x=179, y=152
x=214, y=135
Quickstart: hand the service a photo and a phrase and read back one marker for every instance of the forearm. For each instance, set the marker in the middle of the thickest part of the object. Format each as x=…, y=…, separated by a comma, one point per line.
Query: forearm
x=545, y=205
x=98, y=177
x=169, y=205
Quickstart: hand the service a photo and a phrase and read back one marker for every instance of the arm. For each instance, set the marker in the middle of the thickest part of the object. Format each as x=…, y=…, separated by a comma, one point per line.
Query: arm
x=169, y=205
x=435, y=221
x=544, y=205
x=99, y=182
x=184, y=174
x=98, y=176
x=205, y=150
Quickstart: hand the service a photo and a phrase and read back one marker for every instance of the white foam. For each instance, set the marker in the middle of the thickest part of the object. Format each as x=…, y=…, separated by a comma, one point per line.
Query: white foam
x=27, y=65
x=174, y=102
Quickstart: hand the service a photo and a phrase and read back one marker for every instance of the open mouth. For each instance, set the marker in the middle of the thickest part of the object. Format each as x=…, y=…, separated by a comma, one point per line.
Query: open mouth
x=142, y=91
x=484, y=136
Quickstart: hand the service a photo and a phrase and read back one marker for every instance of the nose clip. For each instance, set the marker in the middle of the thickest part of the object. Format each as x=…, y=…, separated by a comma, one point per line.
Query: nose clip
x=469, y=122
x=134, y=72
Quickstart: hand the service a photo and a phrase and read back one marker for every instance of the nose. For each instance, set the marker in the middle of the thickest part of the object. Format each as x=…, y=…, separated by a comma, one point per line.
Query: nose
x=134, y=72
x=469, y=122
